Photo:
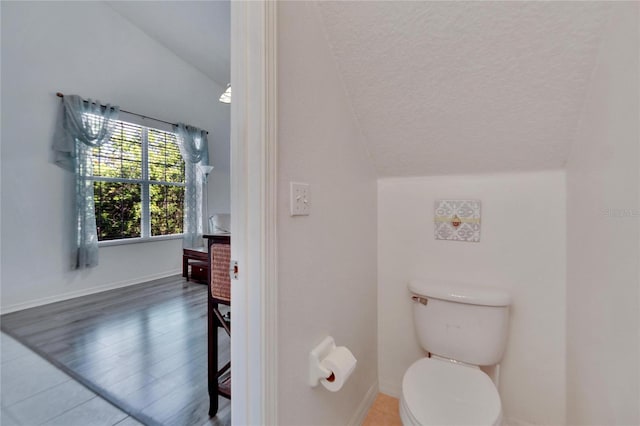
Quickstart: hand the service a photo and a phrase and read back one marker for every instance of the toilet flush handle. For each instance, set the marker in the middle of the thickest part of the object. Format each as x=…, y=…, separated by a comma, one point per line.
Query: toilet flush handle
x=420, y=299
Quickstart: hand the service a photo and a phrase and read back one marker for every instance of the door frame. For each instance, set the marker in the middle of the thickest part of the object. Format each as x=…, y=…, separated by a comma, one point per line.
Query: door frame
x=253, y=210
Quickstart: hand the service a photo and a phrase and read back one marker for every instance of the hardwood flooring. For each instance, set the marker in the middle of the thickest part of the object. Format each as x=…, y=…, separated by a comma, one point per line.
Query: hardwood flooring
x=142, y=348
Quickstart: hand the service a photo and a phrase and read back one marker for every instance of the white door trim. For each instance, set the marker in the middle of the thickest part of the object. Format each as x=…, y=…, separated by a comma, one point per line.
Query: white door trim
x=254, y=366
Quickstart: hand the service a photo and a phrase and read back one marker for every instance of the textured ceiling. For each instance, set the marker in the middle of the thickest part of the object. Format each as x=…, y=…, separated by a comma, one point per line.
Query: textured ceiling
x=465, y=87
x=196, y=31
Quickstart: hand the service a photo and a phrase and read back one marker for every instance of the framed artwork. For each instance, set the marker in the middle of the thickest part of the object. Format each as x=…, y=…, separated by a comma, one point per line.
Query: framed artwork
x=457, y=220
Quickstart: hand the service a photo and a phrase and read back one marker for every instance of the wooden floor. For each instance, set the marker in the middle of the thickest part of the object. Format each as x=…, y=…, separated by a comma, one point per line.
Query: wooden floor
x=383, y=412
x=143, y=348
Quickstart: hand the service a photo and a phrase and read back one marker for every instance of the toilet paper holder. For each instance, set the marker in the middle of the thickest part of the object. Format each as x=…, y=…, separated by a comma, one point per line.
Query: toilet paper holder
x=316, y=371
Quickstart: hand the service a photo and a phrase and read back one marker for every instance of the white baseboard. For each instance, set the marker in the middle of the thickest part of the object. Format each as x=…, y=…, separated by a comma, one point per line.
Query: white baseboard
x=390, y=389
x=364, y=406
x=85, y=292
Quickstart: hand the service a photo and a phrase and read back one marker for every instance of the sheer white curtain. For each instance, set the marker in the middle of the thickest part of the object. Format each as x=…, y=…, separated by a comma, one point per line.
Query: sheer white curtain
x=194, y=148
x=83, y=125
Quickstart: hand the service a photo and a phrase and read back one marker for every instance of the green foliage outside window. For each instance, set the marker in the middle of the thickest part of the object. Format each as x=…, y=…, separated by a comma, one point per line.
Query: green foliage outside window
x=166, y=209
x=119, y=207
x=166, y=201
x=118, y=210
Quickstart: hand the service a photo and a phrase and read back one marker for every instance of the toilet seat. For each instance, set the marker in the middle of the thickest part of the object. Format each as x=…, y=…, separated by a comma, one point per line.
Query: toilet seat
x=436, y=392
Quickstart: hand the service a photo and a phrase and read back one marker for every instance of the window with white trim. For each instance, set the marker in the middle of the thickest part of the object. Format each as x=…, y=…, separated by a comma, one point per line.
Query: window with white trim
x=138, y=183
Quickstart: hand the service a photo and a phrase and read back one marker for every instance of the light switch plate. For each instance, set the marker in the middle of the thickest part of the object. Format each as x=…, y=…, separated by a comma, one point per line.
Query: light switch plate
x=300, y=199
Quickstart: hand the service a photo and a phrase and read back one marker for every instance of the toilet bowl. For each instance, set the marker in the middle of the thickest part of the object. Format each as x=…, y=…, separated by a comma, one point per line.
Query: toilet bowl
x=460, y=326
x=440, y=392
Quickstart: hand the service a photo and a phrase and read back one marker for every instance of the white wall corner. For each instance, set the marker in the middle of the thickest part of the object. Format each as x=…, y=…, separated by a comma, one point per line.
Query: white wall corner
x=363, y=408
x=510, y=421
x=390, y=389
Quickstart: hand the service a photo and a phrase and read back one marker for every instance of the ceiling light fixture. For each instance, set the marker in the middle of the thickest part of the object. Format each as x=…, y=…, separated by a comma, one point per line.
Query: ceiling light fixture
x=225, y=98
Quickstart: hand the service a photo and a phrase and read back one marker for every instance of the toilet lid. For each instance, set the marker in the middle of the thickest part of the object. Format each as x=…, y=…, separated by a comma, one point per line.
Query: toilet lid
x=445, y=393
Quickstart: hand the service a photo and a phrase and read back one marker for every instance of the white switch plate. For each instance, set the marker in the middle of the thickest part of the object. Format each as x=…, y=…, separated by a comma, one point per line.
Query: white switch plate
x=300, y=199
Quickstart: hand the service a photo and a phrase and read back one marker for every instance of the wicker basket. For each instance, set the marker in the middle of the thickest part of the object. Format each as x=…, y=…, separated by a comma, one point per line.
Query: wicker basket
x=220, y=281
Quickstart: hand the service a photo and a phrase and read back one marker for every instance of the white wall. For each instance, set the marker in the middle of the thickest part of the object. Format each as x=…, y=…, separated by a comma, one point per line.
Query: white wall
x=522, y=249
x=88, y=49
x=327, y=261
x=603, y=237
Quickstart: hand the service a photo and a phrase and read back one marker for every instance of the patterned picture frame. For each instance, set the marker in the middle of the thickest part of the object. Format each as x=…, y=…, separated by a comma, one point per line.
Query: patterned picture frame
x=457, y=220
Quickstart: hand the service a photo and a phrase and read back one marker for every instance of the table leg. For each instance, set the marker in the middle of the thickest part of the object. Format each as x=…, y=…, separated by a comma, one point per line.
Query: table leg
x=213, y=357
x=185, y=267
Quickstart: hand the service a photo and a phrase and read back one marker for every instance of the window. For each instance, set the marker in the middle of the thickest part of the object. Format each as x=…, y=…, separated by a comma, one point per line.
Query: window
x=138, y=182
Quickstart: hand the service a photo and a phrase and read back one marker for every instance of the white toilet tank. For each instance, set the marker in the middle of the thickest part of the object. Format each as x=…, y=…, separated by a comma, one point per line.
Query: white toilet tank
x=460, y=321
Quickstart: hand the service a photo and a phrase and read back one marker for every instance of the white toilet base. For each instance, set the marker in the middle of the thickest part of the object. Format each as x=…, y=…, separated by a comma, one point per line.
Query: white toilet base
x=405, y=416
x=408, y=420
x=440, y=392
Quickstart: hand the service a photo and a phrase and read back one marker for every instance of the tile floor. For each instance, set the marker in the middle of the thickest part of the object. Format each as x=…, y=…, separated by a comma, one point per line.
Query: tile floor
x=383, y=412
x=34, y=392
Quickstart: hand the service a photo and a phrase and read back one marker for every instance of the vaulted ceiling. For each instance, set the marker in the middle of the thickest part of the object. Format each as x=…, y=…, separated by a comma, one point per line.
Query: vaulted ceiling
x=436, y=87
x=465, y=87
x=196, y=31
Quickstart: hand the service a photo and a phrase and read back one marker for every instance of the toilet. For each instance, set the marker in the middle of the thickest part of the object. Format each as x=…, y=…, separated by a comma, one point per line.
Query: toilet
x=461, y=327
